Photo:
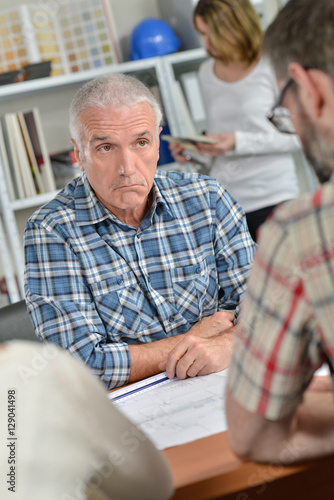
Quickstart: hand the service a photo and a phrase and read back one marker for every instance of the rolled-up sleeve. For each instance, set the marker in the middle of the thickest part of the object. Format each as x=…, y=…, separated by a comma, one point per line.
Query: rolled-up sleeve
x=62, y=308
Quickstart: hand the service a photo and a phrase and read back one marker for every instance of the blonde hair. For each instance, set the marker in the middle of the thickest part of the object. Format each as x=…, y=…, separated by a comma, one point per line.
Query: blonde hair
x=235, y=29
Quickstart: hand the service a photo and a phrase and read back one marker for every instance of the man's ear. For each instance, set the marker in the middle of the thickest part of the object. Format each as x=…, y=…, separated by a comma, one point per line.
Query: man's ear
x=77, y=154
x=158, y=142
x=311, y=88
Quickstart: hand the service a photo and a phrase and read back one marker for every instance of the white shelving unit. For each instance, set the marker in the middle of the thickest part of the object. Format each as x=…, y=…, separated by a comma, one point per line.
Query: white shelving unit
x=161, y=71
x=52, y=96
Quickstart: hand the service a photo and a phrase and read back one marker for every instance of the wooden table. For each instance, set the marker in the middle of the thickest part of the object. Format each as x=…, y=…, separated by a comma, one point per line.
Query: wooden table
x=207, y=469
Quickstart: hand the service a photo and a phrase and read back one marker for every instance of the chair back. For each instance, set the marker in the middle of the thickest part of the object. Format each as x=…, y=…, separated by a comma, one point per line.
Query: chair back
x=15, y=323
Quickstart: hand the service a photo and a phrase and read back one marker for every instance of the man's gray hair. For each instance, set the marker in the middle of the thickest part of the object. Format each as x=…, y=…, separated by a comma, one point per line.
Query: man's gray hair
x=303, y=32
x=110, y=90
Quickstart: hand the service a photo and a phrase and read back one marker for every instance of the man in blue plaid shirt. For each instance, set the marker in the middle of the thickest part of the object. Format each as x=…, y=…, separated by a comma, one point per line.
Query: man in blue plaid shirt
x=132, y=270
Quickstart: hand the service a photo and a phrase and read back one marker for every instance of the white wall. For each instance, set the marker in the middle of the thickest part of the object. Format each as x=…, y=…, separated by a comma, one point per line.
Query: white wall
x=127, y=14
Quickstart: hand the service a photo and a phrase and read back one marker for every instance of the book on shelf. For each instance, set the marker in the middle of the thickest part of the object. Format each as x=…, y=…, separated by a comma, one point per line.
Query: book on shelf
x=38, y=181
x=22, y=158
x=9, y=139
x=6, y=166
x=194, y=98
x=25, y=158
x=184, y=113
x=34, y=127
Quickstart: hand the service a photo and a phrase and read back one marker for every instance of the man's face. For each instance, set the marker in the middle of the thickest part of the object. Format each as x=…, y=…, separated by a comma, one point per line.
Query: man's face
x=318, y=149
x=119, y=154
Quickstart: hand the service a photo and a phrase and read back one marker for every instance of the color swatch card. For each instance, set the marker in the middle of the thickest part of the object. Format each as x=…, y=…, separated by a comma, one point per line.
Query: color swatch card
x=76, y=36
x=46, y=44
x=85, y=34
x=13, y=52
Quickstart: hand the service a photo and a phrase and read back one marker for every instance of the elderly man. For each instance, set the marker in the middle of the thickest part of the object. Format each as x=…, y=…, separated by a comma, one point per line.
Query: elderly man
x=132, y=270
x=287, y=324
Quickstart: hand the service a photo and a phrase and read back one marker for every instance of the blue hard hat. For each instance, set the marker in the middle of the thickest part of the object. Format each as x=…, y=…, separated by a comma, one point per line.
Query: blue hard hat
x=152, y=37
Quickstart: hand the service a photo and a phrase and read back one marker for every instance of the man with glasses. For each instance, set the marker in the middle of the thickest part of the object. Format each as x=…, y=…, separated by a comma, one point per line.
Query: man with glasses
x=286, y=330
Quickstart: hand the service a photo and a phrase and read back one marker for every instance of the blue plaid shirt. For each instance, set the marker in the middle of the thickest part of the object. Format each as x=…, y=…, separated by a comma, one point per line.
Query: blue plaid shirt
x=94, y=284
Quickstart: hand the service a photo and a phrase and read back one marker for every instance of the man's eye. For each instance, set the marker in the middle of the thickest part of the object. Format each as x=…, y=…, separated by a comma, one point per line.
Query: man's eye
x=142, y=143
x=105, y=147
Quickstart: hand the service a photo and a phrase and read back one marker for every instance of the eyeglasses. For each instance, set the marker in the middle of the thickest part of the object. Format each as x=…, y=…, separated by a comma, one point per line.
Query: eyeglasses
x=280, y=116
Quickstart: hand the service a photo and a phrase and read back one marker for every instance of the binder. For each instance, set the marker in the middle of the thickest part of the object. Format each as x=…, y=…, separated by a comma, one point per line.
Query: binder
x=33, y=123
x=22, y=158
x=31, y=155
x=5, y=163
x=8, y=133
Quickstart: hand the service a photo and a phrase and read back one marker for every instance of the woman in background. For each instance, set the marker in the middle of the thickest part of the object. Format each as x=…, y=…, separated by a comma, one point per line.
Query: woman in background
x=252, y=159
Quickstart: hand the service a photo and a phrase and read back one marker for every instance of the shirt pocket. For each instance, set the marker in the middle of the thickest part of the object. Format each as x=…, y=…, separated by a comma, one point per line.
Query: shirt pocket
x=122, y=303
x=195, y=289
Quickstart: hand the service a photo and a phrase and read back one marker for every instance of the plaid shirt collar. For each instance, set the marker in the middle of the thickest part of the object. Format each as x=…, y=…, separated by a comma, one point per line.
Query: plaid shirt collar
x=90, y=210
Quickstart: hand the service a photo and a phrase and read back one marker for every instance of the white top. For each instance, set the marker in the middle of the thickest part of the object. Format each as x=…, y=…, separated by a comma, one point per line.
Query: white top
x=68, y=434
x=260, y=171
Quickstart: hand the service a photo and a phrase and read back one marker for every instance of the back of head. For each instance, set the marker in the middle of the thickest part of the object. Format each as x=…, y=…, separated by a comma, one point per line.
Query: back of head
x=235, y=28
x=110, y=90
x=303, y=32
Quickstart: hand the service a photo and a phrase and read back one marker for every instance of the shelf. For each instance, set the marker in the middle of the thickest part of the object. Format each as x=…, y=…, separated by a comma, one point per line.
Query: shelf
x=187, y=56
x=34, y=201
x=52, y=83
x=159, y=71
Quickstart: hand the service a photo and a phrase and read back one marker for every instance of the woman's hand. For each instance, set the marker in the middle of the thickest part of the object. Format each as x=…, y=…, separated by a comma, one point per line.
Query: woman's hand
x=226, y=143
x=176, y=152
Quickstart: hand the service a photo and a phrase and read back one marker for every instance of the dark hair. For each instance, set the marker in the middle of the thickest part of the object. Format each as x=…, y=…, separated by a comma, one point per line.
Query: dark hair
x=235, y=29
x=303, y=32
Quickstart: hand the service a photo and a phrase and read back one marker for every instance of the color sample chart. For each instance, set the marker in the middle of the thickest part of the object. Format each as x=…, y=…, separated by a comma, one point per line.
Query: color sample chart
x=47, y=38
x=75, y=35
x=85, y=35
x=13, y=53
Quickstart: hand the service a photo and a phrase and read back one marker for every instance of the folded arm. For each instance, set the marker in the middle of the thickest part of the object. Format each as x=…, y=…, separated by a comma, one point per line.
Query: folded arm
x=205, y=348
x=305, y=434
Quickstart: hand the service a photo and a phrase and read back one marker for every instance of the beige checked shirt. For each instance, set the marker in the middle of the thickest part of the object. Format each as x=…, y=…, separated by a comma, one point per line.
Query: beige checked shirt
x=287, y=317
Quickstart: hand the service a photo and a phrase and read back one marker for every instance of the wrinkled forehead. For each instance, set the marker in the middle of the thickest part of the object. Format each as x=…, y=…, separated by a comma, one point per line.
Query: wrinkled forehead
x=117, y=121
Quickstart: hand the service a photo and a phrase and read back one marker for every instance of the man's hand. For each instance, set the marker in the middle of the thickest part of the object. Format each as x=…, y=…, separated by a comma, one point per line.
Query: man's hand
x=195, y=355
x=208, y=343
x=320, y=383
x=214, y=325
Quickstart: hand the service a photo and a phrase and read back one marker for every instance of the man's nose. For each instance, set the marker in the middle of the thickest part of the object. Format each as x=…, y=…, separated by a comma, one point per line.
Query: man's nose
x=126, y=163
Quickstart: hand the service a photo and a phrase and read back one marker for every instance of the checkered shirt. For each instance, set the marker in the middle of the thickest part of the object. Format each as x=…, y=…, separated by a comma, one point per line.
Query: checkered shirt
x=287, y=316
x=94, y=284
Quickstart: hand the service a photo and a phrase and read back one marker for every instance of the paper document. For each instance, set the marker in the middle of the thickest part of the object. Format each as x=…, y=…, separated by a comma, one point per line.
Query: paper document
x=172, y=411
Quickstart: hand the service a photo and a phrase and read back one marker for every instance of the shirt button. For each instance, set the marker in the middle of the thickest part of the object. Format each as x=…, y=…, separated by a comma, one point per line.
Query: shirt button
x=148, y=279
x=138, y=236
x=198, y=270
x=171, y=319
x=120, y=282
